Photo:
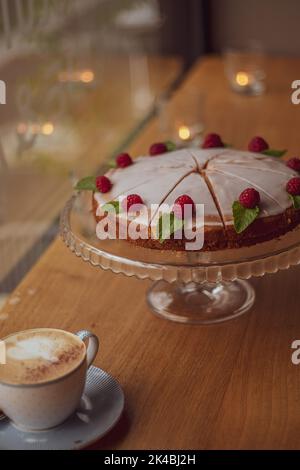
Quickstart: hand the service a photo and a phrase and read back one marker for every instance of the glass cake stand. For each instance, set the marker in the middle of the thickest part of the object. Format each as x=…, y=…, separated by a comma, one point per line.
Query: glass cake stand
x=189, y=287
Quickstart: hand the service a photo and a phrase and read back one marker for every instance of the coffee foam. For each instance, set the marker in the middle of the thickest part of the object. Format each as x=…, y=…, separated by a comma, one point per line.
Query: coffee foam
x=35, y=356
x=34, y=348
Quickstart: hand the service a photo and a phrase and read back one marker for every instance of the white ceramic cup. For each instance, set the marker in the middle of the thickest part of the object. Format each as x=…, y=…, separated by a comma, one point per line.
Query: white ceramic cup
x=43, y=406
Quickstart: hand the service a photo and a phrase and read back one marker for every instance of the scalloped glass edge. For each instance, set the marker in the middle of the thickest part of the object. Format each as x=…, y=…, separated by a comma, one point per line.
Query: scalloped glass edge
x=196, y=267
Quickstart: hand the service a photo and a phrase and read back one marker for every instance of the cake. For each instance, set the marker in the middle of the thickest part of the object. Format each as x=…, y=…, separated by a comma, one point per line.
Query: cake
x=223, y=179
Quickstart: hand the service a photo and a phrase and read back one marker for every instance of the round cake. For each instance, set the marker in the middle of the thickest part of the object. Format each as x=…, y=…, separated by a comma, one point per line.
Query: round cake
x=244, y=195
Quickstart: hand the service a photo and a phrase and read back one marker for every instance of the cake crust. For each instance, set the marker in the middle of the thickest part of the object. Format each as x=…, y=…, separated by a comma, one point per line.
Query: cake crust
x=219, y=238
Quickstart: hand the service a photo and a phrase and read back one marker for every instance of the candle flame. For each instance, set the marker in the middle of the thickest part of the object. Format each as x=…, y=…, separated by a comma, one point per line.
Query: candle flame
x=87, y=76
x=47, y=128
x=184, y=133
x=242, y=78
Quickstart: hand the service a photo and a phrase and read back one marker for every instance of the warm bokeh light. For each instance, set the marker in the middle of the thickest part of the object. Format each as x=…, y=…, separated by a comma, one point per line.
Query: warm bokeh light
x=35, y=128
x=47, y=128
x=87, y=76
x=184, y=132
x=242, y=78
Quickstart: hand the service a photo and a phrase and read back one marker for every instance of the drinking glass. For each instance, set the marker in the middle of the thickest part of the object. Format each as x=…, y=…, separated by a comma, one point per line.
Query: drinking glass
x=245, y=69
x=181, y=121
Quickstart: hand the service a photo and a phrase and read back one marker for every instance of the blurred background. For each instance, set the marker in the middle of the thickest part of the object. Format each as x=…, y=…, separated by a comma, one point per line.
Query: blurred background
x=81, y=80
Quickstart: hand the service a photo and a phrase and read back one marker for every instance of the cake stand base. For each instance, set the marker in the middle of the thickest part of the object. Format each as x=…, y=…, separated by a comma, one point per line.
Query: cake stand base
x=201, y=304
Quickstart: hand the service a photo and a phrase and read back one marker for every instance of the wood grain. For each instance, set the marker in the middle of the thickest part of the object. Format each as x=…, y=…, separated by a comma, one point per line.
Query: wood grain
x=226, y=386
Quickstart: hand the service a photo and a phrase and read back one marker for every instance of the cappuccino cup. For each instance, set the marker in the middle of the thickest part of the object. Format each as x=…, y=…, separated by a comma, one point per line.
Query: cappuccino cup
x=44, y=374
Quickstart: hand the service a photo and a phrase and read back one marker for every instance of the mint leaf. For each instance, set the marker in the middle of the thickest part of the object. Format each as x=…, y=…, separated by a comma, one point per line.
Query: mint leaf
x=88, y=183
x=112, y=206
x=167, y=225
x=242, y=216
x=274, y=153
x=227, y=146
x=296, y=201
x=170, y=145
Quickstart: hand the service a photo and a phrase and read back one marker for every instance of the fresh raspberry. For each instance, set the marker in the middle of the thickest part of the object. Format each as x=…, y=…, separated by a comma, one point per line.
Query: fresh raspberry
x=103, y=184
x=130, y=200
x=123, y=160
x=258, y=144
x=212, y=140
x=180, y=203
x=293, y=186
x=158, y=148
x=294, y=163
x=249, y=198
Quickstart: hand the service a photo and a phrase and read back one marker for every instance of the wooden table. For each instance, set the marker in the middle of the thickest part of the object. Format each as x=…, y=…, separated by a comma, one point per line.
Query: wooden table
x=227, y=386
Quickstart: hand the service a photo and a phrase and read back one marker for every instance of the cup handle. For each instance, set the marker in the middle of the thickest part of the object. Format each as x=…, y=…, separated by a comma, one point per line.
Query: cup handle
x=92, y=345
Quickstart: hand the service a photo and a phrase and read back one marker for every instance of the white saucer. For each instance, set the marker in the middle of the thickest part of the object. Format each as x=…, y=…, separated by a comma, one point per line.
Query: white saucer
x=101, y=407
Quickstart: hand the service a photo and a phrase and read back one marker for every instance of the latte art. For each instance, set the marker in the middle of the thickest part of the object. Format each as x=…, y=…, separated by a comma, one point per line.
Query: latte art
x=36, y=356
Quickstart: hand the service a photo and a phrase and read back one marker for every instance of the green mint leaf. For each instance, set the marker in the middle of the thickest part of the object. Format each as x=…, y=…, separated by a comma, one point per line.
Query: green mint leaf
x=170, y=145
x=227, y=146
x=167, y=225
x=296, y=201
x=88, y=183
x=242, y=216
x=274, y=153
x=112, y=206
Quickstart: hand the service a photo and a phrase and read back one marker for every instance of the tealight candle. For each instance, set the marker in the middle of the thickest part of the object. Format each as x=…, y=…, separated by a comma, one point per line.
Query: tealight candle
x=188, y=134
x=245, y=71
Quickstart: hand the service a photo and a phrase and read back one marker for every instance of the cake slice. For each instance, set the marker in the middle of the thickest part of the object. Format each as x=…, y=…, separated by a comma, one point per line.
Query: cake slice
x=250, y=160
x=276, y=216
x=270, y=185
x=194, y=186
x=143, y=171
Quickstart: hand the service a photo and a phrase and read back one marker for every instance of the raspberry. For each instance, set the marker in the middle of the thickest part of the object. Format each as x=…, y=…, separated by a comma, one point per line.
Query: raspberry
x=294, y=164
x=180, y=203
x=258, y=144
x=212, y=140
x=123, y=160
x=103, y=184
x=249, y=198
x=293, y=186
x=130, y=200
x=158, y=148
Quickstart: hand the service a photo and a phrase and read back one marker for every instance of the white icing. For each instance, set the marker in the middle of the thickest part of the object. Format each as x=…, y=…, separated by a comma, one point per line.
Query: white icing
x=155, y=191
x=194, y=186
x=233, y=156
x=161, y=179
x=176, y=159
x=227, y=189
x=270, y=184
x=146, y=170
x=250, y=160
x=202, y=156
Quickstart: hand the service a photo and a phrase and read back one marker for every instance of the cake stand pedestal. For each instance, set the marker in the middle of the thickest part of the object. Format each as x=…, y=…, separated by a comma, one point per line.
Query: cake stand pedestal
x=191, y=287
x=203, y=303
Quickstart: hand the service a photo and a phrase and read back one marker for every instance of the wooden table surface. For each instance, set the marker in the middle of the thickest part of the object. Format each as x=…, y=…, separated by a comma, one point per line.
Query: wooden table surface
x=226, y=386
